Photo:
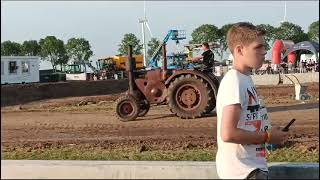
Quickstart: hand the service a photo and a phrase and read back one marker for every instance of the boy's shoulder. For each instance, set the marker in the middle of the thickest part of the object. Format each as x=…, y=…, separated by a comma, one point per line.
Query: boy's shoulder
x=234, y=77
x=231, y=75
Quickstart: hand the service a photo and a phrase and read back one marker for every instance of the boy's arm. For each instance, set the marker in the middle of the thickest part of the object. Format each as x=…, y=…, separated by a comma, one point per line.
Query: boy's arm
x=230, y=132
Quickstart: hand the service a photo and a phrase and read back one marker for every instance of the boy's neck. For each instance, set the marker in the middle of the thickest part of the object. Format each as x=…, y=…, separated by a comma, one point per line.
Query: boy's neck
x=242, y=68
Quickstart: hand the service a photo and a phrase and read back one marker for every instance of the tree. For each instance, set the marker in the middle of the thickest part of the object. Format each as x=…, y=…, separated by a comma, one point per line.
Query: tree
x=290, y=31
x=78, y=49
x=223, y=31
x=9, y=48
x=52, y=49
x=270, y=34
x=313, y=31
x=130, y=39
x=31, y=48
x=63, y=59
x=205, y=33
x=153, y=45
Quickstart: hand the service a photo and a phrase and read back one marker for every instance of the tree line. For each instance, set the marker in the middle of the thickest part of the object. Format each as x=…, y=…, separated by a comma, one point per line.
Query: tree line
x=50, y=48
x=79, y=49
x=211, y=33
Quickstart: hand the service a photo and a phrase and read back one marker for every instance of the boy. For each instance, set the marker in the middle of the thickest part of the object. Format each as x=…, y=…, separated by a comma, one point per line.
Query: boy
x=242, y=129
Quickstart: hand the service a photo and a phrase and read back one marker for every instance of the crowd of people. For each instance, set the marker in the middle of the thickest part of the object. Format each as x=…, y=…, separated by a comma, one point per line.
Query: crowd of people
x=308, y=66
x=285, y=68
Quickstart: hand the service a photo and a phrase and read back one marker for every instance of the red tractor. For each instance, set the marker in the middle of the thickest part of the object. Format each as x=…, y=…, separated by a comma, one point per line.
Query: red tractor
x=189, y=93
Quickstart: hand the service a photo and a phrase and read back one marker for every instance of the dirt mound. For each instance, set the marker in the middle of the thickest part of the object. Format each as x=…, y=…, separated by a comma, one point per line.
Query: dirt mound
x=24, y=93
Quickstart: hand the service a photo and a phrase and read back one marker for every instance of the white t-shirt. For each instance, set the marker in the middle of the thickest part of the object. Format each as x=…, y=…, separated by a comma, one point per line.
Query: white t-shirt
x=234, y=161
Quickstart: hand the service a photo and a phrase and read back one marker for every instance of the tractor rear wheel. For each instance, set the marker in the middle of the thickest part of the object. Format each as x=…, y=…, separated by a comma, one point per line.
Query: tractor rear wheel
x=189, y=96
x=127, y=108
x=212, y=102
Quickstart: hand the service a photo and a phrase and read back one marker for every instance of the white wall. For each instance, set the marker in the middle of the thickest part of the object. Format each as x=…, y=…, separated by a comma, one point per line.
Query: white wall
x=81, y=76
x=32, y=66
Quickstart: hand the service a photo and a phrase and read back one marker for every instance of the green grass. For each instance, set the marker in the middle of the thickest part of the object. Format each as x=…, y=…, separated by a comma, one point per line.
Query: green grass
x=293, y=154
x=70, y=153
x=97, y=153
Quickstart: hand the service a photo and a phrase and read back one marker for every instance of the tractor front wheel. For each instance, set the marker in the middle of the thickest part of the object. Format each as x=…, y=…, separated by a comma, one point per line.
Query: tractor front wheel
x=144, y=108
x=127, y=108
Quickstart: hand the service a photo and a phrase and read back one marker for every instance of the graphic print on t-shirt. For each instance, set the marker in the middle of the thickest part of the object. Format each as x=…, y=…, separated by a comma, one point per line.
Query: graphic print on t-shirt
x=252, y=95
x=253, y=121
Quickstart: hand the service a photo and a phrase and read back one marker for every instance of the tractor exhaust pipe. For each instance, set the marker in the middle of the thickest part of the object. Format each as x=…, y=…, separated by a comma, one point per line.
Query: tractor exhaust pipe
x=164, y=64
x=129, y=68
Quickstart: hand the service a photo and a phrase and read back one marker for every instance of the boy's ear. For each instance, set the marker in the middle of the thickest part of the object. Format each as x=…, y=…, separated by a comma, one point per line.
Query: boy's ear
x=239, y=49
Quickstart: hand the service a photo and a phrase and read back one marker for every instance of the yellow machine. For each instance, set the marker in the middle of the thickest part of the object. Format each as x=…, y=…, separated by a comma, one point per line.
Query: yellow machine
x=119, y=62
x=112, y=66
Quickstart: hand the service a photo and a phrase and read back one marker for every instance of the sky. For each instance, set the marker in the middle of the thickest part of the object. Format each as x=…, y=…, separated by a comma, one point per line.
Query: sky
x=104, y=23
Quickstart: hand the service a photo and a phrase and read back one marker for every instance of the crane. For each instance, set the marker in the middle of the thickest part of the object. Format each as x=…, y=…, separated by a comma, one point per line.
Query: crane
x=172, y=34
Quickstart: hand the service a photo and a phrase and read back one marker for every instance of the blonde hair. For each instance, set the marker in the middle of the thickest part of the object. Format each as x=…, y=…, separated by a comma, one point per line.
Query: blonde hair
x=243, y=33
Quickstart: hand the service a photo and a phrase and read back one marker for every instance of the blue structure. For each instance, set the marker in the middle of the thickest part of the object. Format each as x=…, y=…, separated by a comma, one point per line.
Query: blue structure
x=175, y=61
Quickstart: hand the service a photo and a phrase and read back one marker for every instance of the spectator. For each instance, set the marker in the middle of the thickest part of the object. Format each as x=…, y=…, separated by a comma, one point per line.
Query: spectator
x=241, y=132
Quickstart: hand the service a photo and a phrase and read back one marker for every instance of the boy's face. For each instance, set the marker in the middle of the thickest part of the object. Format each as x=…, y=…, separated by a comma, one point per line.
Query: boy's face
x=254, y=53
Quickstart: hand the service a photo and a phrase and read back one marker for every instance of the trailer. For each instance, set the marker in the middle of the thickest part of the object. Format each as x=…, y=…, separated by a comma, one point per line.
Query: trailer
x=19, y=69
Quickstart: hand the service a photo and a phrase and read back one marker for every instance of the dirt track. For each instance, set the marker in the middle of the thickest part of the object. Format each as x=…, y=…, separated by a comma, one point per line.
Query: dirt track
x=159, y=129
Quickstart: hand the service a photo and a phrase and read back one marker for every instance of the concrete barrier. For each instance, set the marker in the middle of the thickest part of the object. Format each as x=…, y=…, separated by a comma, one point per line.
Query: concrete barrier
x=275, y=79
x=41, y=169
x=267, y=79
x=301, y=77
x=294, y=171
